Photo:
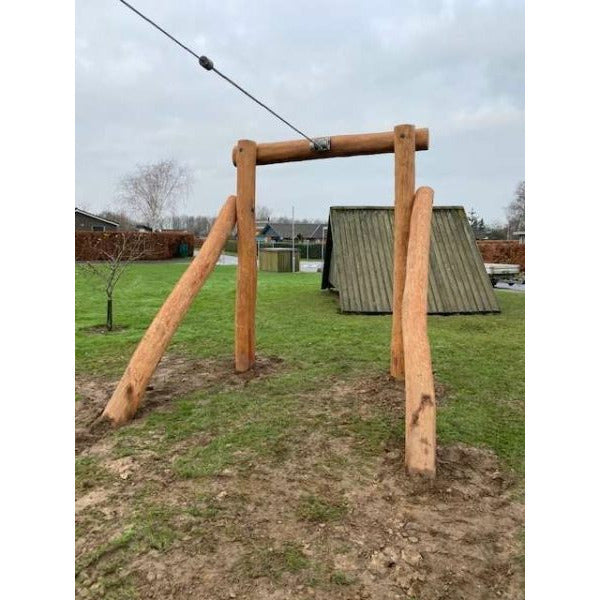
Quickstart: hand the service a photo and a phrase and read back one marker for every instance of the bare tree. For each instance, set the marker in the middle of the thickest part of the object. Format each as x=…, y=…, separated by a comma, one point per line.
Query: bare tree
x=155, y=190
x=117, y=254
x=263, y=213
x=120, y=217
x=515, y=212
x=285, y=219
x=199, y=225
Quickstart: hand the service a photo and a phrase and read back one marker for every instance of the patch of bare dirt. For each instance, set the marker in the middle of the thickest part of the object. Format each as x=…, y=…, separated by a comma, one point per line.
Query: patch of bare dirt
x=96, y=496
x=380, y=390
x=101, y=329
x=174, y=377
x=374, y=533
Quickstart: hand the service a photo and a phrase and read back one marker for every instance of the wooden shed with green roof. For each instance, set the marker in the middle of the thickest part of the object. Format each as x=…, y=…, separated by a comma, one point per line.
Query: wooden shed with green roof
x=359, y=262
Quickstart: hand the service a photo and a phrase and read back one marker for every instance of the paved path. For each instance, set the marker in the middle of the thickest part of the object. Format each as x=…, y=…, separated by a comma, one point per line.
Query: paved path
x=306, y=266
x=313, y=266
x=226, y=259
x=517, y=287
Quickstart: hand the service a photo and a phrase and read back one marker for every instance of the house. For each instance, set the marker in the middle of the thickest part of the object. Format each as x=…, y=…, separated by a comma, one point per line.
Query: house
x=278, y=232
x=359, y=262
x=85, y=221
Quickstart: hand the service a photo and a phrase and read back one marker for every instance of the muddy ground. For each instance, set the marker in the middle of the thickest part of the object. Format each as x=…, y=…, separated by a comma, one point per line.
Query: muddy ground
x=321, y=522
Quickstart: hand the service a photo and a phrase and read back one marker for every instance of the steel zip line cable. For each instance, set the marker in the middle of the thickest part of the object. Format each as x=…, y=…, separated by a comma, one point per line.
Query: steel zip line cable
x=207, y=64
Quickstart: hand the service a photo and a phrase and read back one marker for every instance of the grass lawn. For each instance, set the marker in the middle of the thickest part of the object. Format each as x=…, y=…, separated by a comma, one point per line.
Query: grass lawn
x=266, y=422
x=479, y=359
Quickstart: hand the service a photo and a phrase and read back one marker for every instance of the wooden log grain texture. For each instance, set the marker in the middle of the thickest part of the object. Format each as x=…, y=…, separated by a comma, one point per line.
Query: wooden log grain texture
x=341, y=145
x=130, y=391
x=420, y=437
x=245, y=298
x=404, y=192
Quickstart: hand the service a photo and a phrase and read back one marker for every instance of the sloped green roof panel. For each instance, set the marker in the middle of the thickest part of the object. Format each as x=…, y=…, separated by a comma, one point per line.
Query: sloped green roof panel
x=359, y=262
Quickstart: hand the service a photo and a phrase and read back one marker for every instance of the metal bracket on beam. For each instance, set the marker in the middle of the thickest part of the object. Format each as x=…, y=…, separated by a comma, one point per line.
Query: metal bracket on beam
x=321, y=144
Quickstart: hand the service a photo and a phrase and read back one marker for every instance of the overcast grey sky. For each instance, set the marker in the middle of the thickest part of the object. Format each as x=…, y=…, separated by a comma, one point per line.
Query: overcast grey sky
x=330, y=68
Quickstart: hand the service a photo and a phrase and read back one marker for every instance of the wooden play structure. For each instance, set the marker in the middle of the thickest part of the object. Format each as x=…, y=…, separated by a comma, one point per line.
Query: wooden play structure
x=409, y=349
x=359, y=262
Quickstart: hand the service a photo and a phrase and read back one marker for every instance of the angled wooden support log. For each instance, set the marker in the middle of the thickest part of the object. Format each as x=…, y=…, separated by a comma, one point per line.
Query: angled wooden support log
x=132, y=387
x=420, y=440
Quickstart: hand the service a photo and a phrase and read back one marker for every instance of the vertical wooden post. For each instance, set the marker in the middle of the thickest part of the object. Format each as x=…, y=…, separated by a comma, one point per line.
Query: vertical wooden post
x=404, y=191
x=245, y=300
x=420, y=441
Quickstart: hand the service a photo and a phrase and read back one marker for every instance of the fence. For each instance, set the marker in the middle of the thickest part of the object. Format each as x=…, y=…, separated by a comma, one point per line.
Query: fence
x=311, y=250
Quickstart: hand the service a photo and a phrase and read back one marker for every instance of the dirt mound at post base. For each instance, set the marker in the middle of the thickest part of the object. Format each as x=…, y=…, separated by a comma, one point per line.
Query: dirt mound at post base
x=175, y=376
x=330, y=521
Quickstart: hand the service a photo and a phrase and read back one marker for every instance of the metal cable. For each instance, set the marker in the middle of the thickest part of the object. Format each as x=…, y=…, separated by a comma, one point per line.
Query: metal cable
x=137, y=12
x=207, y=64
x=233, y=83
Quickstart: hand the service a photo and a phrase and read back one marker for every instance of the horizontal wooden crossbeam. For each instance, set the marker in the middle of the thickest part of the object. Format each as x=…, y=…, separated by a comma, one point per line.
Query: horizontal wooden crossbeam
x=340, y=145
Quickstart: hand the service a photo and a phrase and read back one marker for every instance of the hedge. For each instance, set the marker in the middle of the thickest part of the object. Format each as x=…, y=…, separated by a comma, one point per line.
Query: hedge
x=160, y=245
x=502, y=251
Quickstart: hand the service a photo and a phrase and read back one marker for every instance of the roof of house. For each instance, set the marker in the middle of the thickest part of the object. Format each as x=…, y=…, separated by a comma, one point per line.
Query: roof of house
x=87, y=214
x=284, y=230
x=359, y=262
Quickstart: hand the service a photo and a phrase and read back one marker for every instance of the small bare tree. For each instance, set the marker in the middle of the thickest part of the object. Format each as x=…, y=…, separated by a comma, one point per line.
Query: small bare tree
x=155, y=190
x=124, y=247
x=515, y=212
